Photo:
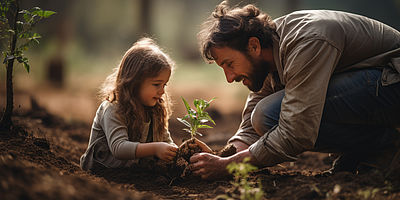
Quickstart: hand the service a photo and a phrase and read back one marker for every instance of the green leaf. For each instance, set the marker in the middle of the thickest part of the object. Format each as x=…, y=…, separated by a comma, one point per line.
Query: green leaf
x=196, y=104
x=42, y=13
x=35, y=40
x=48, y=13
x=197, y=116
x=204, y=104
x=35, y=11
x=211, y=120
x=186, y=117
x=26, y=65
x=186, y=123
x=206, y=116
x=211, y=100
x=205, y=126
x=26, y=15
x=186, y=105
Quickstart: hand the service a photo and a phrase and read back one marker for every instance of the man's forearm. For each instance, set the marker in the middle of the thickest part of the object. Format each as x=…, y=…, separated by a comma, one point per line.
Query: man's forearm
x=240, y=156
x=239, y=145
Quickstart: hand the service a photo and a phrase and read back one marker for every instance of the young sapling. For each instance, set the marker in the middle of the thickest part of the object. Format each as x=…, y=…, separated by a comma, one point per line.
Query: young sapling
x=194, y=120
x=16, y=28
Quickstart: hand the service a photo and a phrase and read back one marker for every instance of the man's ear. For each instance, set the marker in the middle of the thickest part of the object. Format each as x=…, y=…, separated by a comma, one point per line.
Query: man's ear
x=254, y=46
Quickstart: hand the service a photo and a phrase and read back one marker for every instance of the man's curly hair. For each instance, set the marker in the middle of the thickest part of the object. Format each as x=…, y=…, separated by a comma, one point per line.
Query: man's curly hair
x=232, y=27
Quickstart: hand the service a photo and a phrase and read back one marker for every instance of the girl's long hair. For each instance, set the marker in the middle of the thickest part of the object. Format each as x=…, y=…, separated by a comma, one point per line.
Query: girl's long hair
x=143, y=60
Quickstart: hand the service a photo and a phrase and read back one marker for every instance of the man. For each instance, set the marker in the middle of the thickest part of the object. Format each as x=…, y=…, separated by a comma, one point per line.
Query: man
x=321, y=80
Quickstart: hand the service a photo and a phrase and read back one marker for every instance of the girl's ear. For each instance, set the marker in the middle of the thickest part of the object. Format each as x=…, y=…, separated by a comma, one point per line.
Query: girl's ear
x=254, y=46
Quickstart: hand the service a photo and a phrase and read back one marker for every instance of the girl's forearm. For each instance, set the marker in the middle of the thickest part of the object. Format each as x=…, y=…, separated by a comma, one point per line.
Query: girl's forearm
x=146, y=149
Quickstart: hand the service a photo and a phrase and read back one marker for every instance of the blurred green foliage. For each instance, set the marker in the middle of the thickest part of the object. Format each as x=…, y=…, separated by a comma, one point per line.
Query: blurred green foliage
x=244, y=188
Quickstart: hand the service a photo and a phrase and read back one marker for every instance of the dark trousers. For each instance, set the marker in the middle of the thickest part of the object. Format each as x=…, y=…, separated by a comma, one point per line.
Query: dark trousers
x=359, y=116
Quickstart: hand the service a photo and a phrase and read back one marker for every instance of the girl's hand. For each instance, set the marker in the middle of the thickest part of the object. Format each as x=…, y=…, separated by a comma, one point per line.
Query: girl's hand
x=165, y=151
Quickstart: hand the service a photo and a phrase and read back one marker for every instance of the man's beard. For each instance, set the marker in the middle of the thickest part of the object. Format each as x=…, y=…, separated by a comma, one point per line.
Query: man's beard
x=258, y=75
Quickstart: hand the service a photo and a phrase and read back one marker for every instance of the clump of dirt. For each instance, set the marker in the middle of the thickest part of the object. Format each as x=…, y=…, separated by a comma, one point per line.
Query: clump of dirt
x=192, y=146
x=180, y=166
x=188, y=148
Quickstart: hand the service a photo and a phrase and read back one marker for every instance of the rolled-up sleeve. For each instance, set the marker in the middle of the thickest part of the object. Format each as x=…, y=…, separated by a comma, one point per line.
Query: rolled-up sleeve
x=307, y=72
x=117, y=137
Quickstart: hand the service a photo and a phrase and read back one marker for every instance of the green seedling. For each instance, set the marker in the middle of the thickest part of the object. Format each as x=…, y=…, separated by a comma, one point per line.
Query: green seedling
x=196, y=118
x=241, y=183
x=16, y=29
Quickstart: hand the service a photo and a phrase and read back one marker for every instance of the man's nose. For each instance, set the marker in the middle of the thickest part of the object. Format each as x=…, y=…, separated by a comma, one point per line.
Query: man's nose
x=230, y=76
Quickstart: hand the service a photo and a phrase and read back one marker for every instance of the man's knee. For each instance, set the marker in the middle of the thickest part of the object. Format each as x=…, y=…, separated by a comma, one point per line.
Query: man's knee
x=266, y=115
x=258, y=121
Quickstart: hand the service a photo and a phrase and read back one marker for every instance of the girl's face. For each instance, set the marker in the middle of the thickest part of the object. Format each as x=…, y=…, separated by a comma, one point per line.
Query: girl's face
x=152, y=88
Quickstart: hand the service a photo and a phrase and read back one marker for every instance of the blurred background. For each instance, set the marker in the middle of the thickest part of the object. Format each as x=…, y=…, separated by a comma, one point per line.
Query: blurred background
x=86, y=39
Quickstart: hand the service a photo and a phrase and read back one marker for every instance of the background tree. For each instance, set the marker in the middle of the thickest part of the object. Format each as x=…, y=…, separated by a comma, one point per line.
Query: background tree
x=16, y=30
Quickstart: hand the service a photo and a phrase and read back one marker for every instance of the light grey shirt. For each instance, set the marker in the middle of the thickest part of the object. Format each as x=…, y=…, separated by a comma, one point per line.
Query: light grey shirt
x=109, y=143
x=309, y=47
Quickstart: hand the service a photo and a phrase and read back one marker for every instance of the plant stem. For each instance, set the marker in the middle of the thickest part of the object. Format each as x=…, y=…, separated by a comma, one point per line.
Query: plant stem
x=6, y=122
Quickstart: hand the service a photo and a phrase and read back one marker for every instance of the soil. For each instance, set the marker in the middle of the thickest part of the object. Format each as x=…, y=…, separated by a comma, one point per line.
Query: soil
x=39, y=159
x=187, y=149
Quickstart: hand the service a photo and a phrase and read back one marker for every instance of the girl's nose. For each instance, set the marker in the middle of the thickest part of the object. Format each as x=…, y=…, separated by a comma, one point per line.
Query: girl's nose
x=230, y=76
x=161, y=91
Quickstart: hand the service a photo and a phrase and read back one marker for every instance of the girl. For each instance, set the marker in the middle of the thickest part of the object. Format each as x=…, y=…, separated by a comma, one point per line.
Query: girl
x=132, y=121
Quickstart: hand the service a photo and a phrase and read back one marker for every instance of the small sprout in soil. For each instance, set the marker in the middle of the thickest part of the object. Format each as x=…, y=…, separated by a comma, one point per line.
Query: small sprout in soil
x=196, y=118
x=243, y=188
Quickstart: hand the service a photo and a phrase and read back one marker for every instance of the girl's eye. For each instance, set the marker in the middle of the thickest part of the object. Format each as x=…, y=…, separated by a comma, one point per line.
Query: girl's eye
x=159, y=85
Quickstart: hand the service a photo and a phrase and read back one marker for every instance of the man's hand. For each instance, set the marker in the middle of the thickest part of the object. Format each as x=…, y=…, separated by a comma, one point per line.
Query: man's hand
x=208, y=166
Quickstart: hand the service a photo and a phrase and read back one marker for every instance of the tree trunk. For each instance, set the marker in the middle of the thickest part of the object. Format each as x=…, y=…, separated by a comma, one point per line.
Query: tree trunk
x=145, y=20
x=6, y=122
